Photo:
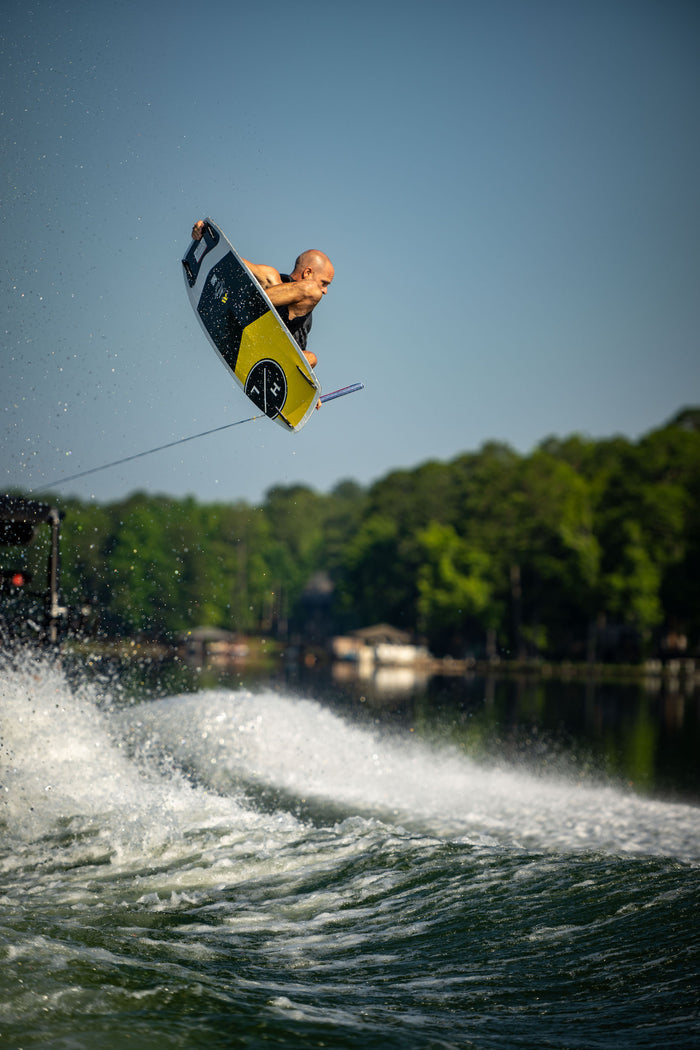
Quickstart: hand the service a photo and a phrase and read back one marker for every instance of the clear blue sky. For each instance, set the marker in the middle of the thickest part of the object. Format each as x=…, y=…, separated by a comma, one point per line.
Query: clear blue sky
x=509, y=191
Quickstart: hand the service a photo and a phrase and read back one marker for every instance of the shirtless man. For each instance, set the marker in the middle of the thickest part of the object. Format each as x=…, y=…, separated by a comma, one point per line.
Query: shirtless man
x=293, y=295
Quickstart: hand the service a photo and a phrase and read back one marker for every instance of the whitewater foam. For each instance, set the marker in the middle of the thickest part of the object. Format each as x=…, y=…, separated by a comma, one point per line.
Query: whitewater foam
x=232, y=741
x=178, y=780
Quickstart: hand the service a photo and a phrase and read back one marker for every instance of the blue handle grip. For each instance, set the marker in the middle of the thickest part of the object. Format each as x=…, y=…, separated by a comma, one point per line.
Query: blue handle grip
x=342, y=392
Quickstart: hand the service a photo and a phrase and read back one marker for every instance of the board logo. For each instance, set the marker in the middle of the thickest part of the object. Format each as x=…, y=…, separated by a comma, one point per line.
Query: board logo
x=219, y=287
x=266, y=386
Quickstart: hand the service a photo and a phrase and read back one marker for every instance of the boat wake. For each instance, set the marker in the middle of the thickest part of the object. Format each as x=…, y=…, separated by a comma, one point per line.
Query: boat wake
x=254, y=868
x=153, y=771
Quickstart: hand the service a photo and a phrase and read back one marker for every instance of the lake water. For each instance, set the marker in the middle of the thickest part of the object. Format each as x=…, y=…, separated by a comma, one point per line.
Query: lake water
x=309, y=862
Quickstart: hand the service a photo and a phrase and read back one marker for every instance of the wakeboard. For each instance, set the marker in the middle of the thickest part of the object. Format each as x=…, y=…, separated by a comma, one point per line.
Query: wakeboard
x=246, y=331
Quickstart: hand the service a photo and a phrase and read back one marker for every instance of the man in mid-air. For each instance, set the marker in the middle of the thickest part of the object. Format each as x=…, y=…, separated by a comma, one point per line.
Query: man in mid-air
x=293, y=295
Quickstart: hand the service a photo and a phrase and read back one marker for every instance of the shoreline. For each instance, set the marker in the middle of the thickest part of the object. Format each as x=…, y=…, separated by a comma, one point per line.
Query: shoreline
x=267, y=653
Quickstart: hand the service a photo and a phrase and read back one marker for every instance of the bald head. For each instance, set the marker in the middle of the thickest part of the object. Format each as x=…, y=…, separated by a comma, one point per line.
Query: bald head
x=312, y=259
x=316, y=267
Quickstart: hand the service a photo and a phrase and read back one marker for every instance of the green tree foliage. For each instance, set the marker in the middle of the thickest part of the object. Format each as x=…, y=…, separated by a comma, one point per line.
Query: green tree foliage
x=536, y=552
x=376, y=582
x=455, y=589
x=632, y=588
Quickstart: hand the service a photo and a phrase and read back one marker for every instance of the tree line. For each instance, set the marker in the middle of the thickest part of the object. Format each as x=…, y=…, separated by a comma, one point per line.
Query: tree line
x=580, y=549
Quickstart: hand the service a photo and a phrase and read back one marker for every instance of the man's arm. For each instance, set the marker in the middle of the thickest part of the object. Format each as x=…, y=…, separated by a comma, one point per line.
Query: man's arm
x=299, y=296
x=268, y=276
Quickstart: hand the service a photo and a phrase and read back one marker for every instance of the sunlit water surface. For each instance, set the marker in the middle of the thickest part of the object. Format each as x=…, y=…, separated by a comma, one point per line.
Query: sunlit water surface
x=232, y=868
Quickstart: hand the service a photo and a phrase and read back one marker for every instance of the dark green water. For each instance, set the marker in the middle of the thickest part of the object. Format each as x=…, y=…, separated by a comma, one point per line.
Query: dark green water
x=453, y=864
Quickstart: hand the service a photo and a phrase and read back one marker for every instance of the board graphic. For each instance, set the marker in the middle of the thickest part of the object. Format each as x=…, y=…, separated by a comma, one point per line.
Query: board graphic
x=246, y=331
